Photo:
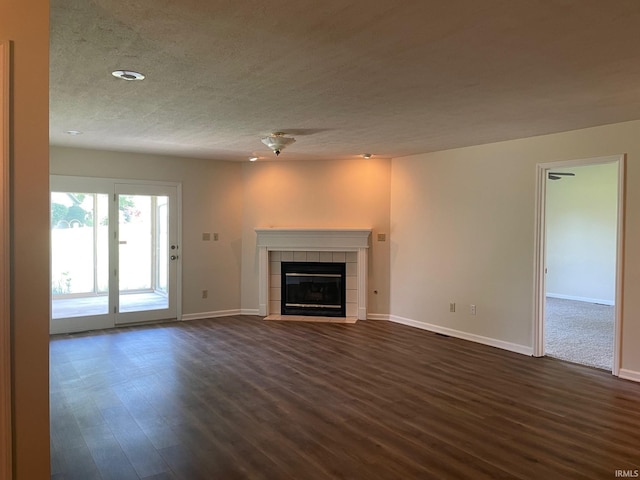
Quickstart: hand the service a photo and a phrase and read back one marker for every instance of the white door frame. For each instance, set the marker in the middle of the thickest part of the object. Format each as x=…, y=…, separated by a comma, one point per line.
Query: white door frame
x=540, y=251
x=148, y=188
x=107, y=186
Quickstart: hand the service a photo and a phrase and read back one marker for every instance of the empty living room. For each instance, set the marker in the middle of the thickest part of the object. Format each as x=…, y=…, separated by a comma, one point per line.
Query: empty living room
x=319, y=240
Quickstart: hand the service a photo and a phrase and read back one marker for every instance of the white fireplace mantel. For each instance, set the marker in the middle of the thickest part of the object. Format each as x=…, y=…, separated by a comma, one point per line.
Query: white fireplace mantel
x=316, y=240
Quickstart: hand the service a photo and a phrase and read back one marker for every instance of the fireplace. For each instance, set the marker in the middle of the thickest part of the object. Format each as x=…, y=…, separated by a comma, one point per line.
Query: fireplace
x=324, y=245
x=313, y=288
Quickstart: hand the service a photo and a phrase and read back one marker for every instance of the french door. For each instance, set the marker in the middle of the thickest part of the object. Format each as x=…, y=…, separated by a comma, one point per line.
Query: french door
x=115, y=253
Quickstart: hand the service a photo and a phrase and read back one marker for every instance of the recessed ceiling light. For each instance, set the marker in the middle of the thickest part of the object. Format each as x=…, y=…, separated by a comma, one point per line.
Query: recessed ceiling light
x=367, y=155
x=253, y=159
x=73, y=132
x=127, y=75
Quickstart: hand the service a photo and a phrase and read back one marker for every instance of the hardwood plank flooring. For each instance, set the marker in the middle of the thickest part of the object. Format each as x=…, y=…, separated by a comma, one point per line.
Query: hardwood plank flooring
x=243, y=398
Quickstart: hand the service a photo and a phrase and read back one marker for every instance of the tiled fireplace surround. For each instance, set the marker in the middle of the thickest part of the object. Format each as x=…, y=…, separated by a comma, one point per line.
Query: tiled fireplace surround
x=343, y=245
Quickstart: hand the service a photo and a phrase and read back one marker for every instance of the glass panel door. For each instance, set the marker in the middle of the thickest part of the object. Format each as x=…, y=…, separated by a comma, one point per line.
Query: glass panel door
x=79, y=260
x=143, y=252
x=146, y=261
x=114, y=253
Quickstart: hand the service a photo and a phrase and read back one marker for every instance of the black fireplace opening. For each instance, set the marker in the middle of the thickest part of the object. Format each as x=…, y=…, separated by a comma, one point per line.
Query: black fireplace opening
x=313, y=288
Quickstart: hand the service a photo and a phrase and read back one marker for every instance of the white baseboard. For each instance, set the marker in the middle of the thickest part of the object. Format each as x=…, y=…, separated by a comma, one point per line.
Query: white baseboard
x=629, y=375
x=512, y=347
x=216, y=314
x=378, y=316
x=581, y=299
x=254, y=311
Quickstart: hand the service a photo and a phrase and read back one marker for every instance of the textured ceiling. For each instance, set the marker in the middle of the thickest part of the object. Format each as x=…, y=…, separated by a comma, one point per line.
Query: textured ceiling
x=344, y=77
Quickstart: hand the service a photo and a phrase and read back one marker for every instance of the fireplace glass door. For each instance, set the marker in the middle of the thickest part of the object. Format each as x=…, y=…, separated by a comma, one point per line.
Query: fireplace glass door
x=311, y=288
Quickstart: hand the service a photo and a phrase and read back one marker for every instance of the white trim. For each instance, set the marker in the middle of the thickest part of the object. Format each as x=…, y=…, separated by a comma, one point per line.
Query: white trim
x=379, y=317
x=617, y=340
x=312, y=318
x=600, y=301
x=629, y=375
x=363, y=260
x=92, y=322
x=149, y=188
x=249, y=311
x=582, y=162
x=263, y=281
x=215, y=314
x=180, y=244
x=539, y=263
x=492, y=342
x=312, y=240
x=6, y=467
x=103, y=184
x=540, y=253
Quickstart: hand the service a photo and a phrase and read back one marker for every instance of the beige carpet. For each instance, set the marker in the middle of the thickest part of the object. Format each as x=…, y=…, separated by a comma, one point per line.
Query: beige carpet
x=579, y=332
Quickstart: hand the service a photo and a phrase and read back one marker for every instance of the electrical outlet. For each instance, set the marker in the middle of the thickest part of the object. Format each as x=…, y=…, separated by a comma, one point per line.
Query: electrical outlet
x=382, y=237
x=205, y=293
x=206, y=237
x=472, y=309
x=452, y=307
x=215, y=237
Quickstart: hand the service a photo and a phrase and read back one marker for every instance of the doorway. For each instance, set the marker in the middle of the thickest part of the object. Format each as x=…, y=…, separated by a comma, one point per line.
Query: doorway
x=578, y=261
x=114, y=253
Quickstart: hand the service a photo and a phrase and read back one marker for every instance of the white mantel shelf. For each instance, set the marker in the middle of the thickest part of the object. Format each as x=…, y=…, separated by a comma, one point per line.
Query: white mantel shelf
x=312, y=240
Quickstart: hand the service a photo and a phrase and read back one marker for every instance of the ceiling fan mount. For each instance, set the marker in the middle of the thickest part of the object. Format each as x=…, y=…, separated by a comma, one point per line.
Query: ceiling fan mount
x=559, y=175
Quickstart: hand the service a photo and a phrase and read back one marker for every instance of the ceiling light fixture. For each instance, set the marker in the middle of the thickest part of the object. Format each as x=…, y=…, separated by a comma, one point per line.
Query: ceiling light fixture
x=278, y=142
x=127, y=75
x=73, y=132
x=367, y=155
x=253, y=159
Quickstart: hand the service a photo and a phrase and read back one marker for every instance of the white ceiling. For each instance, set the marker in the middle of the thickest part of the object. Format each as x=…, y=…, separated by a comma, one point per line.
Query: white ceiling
x=344, y=77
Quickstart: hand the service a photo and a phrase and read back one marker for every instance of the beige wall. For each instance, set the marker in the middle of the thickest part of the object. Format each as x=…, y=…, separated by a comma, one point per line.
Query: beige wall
x=233, y=199
x=26, y=23
x=463, y=231
x=211, y=203
x=462, y=227
x=351, y=193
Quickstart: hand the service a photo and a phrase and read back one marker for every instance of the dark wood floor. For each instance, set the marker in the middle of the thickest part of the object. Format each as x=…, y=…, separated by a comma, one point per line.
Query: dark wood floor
x=241, y=398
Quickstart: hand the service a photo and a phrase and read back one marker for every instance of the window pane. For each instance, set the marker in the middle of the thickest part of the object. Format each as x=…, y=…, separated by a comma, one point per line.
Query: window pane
x=79, y=236
x=143, y=248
